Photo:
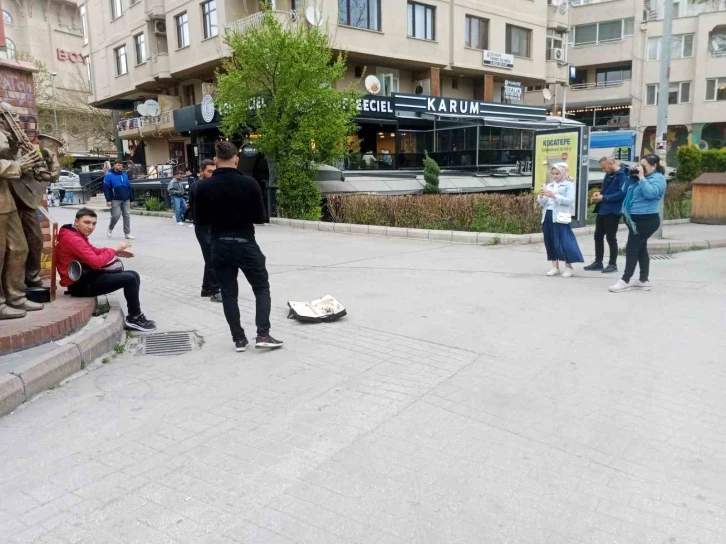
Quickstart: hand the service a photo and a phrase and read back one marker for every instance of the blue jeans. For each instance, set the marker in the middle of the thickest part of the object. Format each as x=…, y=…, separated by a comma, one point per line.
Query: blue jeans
x=180, y=206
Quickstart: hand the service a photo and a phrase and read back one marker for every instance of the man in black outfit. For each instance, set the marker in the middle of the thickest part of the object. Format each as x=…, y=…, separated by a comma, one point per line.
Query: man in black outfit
x=608, y=207
x=210, y=285
x=230, y=204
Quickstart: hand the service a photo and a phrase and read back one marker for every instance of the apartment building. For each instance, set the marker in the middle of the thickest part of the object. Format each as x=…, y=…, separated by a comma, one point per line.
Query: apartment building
x=155, y=61
x=613, y=49
x=50, y=33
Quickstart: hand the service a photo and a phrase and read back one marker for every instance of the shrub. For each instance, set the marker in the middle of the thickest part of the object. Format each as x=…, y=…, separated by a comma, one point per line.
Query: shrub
x=154, y=204
x=431, y=176
x=690, y=160
x=714, y=160
x=512, y=214
x=676, y=204
x=298, y=196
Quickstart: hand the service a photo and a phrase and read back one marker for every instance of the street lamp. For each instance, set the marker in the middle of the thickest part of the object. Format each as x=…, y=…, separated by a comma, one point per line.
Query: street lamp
x=55, y=109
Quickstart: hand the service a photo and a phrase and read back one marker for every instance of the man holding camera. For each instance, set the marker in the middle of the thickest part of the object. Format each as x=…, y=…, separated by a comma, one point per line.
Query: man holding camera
x=608, y=207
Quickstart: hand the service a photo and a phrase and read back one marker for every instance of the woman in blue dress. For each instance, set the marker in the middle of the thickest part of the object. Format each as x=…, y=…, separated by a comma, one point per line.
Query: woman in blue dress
x=557, y=199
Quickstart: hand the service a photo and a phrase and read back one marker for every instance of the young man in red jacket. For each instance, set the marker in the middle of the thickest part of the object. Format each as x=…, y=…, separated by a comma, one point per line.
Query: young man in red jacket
x=73, y=245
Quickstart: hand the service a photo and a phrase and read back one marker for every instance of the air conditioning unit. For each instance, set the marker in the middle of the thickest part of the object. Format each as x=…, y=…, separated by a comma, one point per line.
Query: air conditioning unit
x=422, y=86
x=558, y=54
x=159, y=27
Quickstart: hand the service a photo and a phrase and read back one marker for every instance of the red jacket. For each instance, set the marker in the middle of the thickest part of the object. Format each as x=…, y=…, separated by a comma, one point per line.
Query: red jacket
x=73, y=246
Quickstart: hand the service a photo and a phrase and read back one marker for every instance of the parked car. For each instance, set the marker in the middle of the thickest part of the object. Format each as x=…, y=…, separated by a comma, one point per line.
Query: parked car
x=69, y=178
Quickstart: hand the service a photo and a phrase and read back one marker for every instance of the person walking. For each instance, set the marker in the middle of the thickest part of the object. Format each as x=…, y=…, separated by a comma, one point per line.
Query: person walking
x=191, y=180
x=557, y=199
x=640, y=208
x=73, y=245
x=210, y=285
x=61, y=195
x=176, y=192
x=119, y=197
x=608, y=207
x=230, y=204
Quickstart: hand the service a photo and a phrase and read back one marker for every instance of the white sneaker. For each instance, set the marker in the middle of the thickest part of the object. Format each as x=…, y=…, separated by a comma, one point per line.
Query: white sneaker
x=620, y=287
x=109, y=233
x=567, y=273
x=641, y=285
x=179, y=223
x=554, y=272
x=191, y=225
x=129, y=237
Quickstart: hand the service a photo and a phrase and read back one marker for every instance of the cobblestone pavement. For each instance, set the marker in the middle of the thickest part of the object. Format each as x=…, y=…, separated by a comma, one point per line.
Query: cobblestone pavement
x=466, y=398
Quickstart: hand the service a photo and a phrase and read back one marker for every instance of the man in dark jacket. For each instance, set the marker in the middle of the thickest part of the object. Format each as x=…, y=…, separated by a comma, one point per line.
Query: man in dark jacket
x=608, y=207
x=230, y=204
x=210, y=285
x=119, y=197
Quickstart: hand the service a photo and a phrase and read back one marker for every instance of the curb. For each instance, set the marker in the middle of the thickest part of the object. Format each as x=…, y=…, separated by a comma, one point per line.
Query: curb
x=49, y=369
x=456, y=237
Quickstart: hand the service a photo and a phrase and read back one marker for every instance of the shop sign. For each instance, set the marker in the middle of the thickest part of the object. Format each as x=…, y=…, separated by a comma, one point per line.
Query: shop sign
x=371, y=106
x=513, y=90
x=207, y=108
x=70, y=56
x=497, y=60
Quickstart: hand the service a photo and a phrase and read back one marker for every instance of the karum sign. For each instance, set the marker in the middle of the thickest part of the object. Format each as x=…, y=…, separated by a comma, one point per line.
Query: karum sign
x=70, y=56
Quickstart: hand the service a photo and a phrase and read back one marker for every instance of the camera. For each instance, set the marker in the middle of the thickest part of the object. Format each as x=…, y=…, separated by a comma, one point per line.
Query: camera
x=634, y=173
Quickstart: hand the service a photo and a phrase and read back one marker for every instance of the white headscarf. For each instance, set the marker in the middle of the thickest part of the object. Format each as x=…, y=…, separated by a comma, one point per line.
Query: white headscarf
x=563, y=169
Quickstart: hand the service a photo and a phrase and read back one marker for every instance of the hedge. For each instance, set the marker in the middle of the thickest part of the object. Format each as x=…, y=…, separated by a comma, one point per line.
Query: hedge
x=692, y=162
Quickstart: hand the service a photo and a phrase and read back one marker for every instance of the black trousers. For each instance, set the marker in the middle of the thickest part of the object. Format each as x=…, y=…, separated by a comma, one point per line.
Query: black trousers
x=209, y=279
x=606, y=226
x=94, y=284
x=228, y=257
x=636, y=250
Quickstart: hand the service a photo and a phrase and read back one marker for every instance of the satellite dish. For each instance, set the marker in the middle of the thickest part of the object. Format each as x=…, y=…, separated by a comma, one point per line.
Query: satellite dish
x=313, y=16
x=373, y=85
x=150, y=108
x=546, y=94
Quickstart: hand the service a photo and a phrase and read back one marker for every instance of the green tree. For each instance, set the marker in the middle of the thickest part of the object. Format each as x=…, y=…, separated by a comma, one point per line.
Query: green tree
x=431, y=176
x=280, y=83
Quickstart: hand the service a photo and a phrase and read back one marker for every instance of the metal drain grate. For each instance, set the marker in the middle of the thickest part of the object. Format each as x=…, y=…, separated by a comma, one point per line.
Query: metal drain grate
x=663, y=257
x=166, y=343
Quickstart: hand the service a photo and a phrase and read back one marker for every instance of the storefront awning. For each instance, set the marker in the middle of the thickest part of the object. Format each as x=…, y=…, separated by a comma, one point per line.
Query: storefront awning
x=374, y=121
x=616, y=138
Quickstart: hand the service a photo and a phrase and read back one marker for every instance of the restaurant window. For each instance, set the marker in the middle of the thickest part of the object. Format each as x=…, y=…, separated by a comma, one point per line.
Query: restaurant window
x=182, y=30
x=716, y=89
x=116, y=10
x=555, y=40
x=360, y=13
x=122, y=66
x=209, y=19
x=519, y=41
x=476, y=32
x=421, y=21
x=140, y=46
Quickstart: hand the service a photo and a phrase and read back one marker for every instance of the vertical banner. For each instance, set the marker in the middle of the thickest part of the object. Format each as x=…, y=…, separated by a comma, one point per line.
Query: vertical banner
x=552, y=147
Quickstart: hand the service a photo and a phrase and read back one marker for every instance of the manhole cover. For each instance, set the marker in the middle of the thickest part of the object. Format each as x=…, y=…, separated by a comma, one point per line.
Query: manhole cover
x=165, y=343
x=662, y=257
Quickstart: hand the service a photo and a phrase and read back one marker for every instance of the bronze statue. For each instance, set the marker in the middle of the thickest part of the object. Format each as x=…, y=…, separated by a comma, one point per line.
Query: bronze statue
x=24, y=174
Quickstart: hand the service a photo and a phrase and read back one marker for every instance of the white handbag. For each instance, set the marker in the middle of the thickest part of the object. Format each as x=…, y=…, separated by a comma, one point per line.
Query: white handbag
x=563, y=218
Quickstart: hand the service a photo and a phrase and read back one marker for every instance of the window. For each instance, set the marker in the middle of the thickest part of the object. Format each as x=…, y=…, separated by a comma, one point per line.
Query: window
x=716, y=89
x=681, y=47
x=140, y=46
x=678, y=93
x=519, y=41
x=209, y=19
x=84, y=24
x=555, y=40
x=188, y=95
x=9, y=52
x=87, y=60
x=116, y=10
x=611, y=76
x=604, y=32
x=476, y=32
x=8, y=19
x=182, y=30
x=121, y=64
x=421, y=21
x=360, y=13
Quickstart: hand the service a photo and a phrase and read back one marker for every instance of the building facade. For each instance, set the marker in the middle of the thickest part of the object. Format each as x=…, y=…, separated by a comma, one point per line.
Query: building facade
x=613, y=49
x=155, y=59
x=49, y=33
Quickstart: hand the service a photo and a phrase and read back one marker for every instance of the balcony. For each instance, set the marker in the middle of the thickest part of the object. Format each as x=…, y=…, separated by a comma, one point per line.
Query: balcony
x=288, y=19
x=128, y=129
x=601, y=94
x=154, y=126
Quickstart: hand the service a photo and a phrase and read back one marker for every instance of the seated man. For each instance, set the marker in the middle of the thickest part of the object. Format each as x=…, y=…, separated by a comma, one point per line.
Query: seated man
x=73, y=245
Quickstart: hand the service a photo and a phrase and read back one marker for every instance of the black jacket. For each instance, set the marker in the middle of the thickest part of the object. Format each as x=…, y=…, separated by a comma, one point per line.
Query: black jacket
x=229, y=203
